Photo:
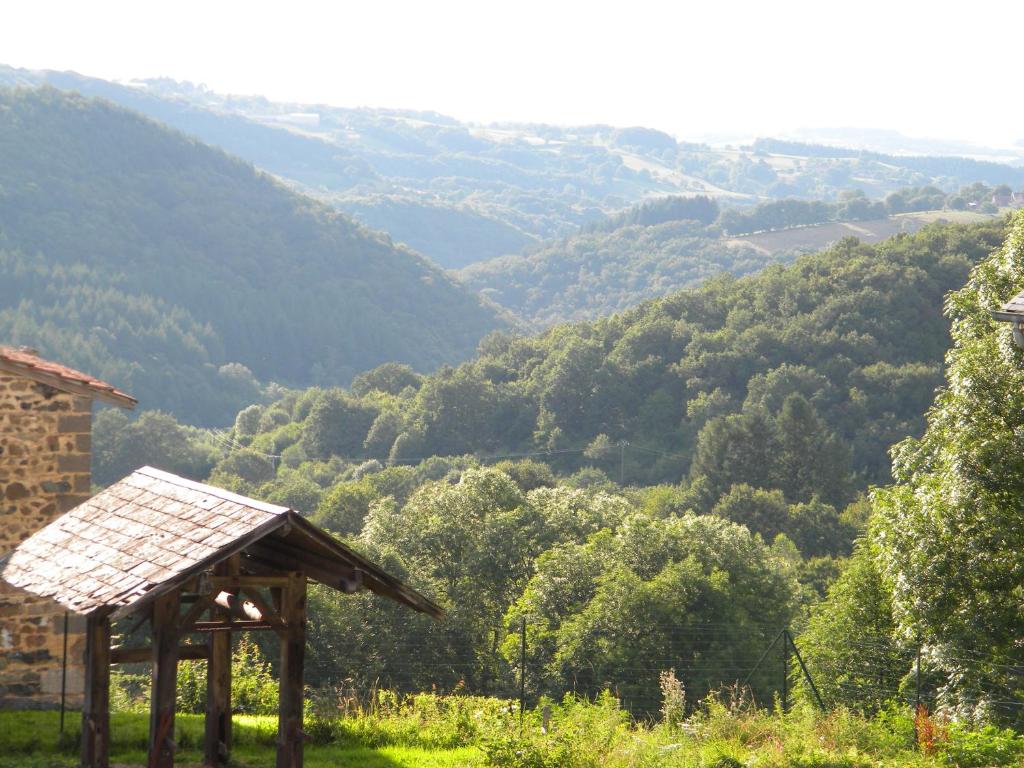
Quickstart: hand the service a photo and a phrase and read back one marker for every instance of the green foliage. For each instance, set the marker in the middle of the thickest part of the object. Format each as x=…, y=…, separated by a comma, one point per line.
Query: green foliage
x=345, y=506
x=797, y=379
x=122, y=445
x=794, y=452
x=594, y=273
x=254, y=690
x=662, y=210
x=948, y=536
x=596, y=610
x=583, y=734
x=987, y=746
x=846, y=644
x=388, y=729
x=184, y=275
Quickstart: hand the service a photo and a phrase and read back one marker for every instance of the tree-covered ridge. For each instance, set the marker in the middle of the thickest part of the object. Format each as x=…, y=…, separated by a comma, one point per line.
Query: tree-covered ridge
x=938, y=166
x=595, y=273
x=155, y=261
x=674, y=242
x=461, y=193
x=796, y=379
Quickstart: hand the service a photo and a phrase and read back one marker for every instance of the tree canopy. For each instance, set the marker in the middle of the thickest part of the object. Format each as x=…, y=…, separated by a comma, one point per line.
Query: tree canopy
x=188, y=277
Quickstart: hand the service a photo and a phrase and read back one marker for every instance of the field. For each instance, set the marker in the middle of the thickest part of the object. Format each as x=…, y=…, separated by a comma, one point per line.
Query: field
x=820, y=236
x=462, y=731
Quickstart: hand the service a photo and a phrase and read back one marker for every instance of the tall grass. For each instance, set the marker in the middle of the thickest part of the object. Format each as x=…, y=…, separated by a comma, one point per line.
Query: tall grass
x=726, y=730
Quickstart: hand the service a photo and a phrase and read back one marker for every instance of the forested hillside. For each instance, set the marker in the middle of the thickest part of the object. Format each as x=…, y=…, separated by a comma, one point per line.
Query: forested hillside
x=694, y=466
x=186, y=276
x=675, y=242
x=595, y=273
x=835, y=357
x=462, y=193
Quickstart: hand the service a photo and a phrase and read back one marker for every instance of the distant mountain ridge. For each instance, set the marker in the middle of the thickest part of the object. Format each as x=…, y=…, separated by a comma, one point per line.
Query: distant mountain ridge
x=155, y=261
x=462, y=193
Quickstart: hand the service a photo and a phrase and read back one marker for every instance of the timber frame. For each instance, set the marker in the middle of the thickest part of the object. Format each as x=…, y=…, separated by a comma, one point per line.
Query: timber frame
x=198, y=564
x=214, y=606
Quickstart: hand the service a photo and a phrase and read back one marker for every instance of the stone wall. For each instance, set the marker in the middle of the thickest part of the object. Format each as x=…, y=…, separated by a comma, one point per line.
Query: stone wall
x=45, y=451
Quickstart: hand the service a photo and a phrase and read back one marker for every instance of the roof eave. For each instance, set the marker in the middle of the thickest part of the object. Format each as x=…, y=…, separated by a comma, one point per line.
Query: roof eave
x=1007, y=316
x=392, y=587
x=223, y=554
x=112, y=396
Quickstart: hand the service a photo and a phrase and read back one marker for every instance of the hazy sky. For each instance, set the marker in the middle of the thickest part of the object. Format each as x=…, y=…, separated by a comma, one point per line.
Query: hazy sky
x=928, y=69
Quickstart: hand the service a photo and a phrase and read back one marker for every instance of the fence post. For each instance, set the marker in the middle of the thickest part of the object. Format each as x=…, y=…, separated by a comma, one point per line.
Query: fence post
x=807, y=675
x=64, y=675
x=762, y=658
x=785, y=670
x=917, y=691
x=522, y=673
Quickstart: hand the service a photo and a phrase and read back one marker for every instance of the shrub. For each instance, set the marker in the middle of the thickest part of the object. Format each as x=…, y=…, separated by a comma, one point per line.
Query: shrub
x=990, y=746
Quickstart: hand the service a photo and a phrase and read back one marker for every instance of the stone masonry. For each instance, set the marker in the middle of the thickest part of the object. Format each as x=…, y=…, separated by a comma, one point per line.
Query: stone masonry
x=45, y=451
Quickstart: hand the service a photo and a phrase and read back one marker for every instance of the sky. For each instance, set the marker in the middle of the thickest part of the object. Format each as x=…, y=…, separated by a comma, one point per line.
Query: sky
x=934, y=69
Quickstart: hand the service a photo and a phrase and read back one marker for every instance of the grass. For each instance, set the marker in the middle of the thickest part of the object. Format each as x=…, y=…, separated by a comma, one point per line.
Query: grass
x=457, y=731
x=32, y=740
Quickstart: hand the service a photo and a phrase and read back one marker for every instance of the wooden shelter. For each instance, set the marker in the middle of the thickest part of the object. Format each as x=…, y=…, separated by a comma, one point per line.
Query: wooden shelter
x=190, y=559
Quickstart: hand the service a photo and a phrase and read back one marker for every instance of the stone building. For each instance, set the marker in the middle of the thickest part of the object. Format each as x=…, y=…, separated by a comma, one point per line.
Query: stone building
x=45, y=455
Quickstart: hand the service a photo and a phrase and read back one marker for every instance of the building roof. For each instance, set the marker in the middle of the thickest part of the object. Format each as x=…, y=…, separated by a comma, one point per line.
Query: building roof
x=151, y=532
x=1013, y=310
x=26, y=362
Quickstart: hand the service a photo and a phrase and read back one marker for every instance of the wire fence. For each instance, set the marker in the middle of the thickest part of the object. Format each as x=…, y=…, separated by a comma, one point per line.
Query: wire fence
x=767, y=664
x=771, y=665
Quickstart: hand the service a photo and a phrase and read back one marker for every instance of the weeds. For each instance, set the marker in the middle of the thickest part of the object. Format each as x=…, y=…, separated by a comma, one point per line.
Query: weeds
x=725, y=730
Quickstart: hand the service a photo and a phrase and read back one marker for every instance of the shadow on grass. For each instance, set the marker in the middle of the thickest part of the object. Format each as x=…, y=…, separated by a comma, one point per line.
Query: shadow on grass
x=33, y=740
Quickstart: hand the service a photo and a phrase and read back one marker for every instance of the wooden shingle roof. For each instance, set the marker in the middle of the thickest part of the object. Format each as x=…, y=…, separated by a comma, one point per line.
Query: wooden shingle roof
x=152, y=531
x=25, y=362
x=1013, y=310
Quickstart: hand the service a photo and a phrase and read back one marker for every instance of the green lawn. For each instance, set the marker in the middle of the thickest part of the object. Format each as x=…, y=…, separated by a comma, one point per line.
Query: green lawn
x=32, y=740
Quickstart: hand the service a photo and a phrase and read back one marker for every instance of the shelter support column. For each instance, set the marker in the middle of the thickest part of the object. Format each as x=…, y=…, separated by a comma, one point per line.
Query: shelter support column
x=217, y=743
x=290, y=735
x=163, y=691
x=96, y=709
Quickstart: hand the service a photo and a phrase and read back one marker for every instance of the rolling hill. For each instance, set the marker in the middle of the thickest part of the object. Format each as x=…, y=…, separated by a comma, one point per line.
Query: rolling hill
x=185, y=275
x=462, y=193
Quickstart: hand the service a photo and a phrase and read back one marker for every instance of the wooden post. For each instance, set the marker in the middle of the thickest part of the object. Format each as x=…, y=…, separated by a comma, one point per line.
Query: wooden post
x=293, y=650
x=164, y=688
x=96, y=710
x=218, y=687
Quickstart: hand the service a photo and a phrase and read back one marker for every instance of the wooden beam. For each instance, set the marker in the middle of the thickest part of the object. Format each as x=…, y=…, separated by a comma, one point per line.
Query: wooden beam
x=290, y=736
x=249, y=580
x=217, y=737
x=300, y=558
x=337, y=576
x=163, y=691
x=199, y=607
x=233, y=626
x=96, y=709
x=138, y=655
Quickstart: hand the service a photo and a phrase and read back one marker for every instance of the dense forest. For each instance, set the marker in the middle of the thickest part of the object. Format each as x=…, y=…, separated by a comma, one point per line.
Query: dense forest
x=186, y=276
x=704, y=455
x=674, y=242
